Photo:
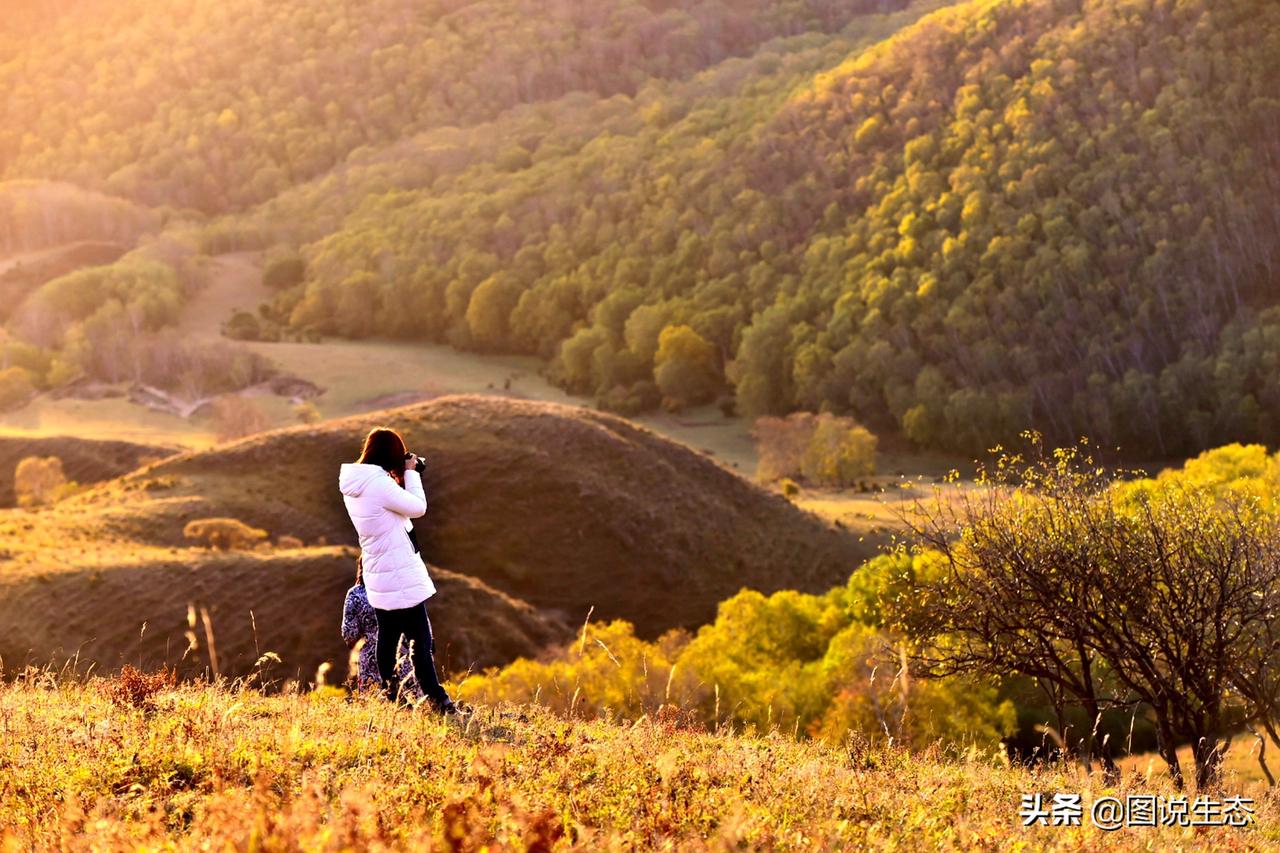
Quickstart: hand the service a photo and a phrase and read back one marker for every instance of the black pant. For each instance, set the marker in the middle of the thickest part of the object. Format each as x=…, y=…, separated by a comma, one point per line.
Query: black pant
x=414, y=624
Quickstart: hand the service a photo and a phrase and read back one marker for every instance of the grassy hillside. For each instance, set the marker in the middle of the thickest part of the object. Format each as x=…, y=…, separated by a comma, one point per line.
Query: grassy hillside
x=116, y=603
x=211, y=767
x=563, y=507
x=84, y=460
x=546, y=511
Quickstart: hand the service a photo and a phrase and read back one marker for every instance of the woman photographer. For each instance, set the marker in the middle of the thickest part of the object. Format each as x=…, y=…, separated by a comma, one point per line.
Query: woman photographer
x=382, y=490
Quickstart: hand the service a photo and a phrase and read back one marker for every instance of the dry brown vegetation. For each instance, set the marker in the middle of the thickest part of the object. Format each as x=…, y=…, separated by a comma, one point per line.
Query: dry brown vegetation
x=224, y=534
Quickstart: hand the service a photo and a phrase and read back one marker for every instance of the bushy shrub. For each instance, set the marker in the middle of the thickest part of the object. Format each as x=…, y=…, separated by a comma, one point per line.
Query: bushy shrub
x=640, y=397
x=822, y=665
x=306, y=412
x=133, y=688
x=40, y=480
x=225, y=534
x=243, y=326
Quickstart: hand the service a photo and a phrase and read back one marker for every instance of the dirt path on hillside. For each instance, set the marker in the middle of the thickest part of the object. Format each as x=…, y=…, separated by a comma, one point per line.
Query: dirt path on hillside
x=8, y=262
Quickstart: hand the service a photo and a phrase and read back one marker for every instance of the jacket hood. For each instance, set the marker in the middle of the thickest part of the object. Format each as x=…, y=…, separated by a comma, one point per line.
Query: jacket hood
x=355, y=477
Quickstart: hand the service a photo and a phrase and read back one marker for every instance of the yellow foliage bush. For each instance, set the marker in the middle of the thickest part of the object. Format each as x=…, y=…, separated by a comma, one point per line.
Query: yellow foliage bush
x=39, y=480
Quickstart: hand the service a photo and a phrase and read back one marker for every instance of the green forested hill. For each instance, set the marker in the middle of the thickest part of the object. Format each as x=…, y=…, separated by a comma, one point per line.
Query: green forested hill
x=1008, y=213
x=215, y=105
x=1046, y=212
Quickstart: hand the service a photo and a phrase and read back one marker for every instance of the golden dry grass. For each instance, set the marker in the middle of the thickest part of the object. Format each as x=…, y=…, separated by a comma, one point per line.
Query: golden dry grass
x=211, y=767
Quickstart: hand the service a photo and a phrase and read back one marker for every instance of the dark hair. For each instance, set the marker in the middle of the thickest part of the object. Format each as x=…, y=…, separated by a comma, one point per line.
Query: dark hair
x=360, y=570
x=383, y=446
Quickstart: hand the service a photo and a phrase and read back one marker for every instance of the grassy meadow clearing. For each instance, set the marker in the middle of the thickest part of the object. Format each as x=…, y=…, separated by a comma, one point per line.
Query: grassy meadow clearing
x=94, y=765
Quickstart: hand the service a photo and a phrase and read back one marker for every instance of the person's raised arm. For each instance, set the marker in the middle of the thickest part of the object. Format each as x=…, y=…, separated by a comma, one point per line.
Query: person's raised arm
x=411, y=501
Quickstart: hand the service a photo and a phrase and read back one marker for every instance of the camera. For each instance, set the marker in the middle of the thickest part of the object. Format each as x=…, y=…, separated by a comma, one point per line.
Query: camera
x=420, y=465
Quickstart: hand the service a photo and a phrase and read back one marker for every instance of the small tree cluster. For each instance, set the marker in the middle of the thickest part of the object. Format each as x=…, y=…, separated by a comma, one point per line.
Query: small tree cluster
x=225, y=534
x=1158, y=597
x=284, y=271
x=821, y=449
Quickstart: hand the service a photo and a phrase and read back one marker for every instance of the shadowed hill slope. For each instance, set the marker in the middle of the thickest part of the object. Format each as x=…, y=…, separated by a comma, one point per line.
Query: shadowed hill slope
x=84, y=460
x=561, y=507
x=288, y=602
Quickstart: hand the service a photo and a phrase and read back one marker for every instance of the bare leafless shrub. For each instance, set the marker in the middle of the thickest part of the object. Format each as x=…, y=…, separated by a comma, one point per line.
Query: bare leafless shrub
x=780, y=444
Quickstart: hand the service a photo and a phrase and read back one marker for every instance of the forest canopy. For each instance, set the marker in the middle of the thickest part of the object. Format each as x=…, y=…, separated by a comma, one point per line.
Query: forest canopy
x=1060, y=214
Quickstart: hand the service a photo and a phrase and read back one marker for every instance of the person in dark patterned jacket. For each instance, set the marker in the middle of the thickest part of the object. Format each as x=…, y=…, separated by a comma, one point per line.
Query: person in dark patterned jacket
x=360, y=623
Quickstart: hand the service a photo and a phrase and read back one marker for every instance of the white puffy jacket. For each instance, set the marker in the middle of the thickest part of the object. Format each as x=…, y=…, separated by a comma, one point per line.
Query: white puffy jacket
x=394, y=575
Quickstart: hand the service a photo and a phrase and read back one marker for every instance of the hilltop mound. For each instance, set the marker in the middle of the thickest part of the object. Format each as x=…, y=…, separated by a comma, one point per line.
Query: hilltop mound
x=562, y=507
x=84, y=460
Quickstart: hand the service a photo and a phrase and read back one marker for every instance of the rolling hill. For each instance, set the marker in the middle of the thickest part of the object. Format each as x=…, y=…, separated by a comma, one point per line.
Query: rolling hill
x=538, y=513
